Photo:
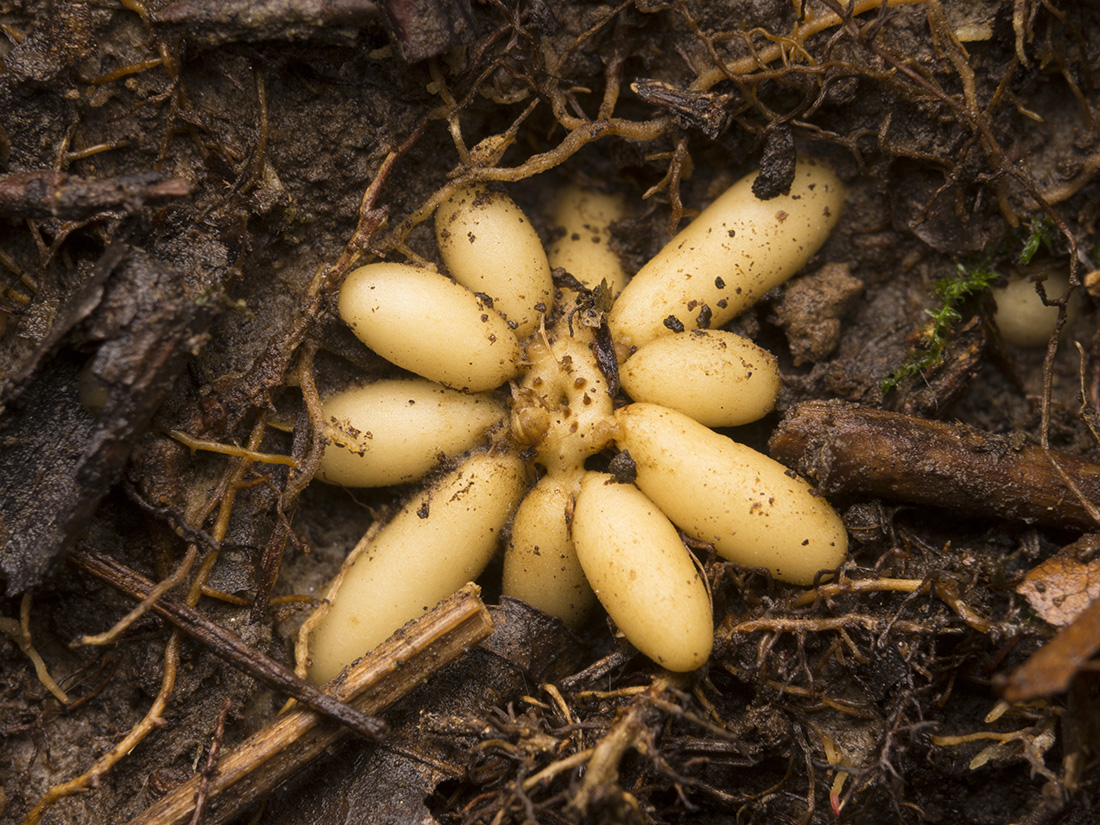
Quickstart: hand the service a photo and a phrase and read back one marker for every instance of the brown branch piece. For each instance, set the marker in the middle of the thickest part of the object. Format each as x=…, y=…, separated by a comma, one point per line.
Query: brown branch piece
x=852, y=450
x=296, y=738
x=214, y=22
x=47, y=194
x=227, y=645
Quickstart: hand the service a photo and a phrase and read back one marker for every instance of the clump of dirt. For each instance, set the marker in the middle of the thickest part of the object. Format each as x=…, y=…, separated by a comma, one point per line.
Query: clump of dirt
x=183, y=186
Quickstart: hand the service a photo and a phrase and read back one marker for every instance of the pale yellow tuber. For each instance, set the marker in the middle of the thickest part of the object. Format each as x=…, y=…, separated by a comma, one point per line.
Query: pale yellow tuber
x=442, y=539
x=642, y=573
x=403, y=313
x=753, y=509
x=729, y=256
x=584, y=247
x=395, y=431
x=540, y=563
x=489, y=245
x=718, y=378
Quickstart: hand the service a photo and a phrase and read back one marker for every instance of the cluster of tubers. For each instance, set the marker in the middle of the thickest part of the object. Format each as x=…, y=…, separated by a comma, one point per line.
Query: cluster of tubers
x=577, y=535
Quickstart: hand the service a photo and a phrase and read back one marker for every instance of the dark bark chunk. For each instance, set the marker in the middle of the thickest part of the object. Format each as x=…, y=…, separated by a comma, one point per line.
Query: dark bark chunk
x=58, y=458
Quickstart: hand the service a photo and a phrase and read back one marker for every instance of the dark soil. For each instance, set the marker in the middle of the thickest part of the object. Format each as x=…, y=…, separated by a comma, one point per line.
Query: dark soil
x=228, y=170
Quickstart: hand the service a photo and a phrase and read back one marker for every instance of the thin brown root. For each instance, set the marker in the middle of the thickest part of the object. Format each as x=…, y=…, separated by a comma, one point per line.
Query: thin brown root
x=20, y=633
x=152, y=720
x=178, y=577
x=193, y=443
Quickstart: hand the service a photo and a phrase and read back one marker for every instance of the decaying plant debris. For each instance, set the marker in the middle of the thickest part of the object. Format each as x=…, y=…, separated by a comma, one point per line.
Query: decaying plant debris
x=182, y=188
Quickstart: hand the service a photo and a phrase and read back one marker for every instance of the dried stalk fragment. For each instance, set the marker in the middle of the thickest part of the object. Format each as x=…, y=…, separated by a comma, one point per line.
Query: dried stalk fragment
x=281, y=748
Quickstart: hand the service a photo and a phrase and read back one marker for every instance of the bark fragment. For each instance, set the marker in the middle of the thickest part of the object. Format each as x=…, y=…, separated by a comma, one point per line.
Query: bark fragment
x=70, y=420
x=47, y=194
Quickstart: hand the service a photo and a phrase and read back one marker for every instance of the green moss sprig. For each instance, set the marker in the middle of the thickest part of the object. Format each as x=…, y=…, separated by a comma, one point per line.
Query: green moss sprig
x=950, y=292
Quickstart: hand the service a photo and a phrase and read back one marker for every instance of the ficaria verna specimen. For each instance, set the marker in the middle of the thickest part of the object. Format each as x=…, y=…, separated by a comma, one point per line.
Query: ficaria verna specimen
x=577, y=535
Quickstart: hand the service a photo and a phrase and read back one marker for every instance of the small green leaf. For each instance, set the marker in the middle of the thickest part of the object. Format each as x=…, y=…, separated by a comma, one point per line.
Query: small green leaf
x=1039, y=236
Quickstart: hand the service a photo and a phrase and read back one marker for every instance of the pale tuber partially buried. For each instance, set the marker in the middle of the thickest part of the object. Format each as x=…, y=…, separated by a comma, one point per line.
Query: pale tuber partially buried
x=395, y=431
x=584, y=247
x=440, y=540
x=751, y=508
x=1022, y=318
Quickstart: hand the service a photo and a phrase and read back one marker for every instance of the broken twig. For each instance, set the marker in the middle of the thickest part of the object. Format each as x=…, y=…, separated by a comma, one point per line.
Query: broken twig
x=46, y=194
x=226, y=645
x=847, y=449
x=281, y=748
